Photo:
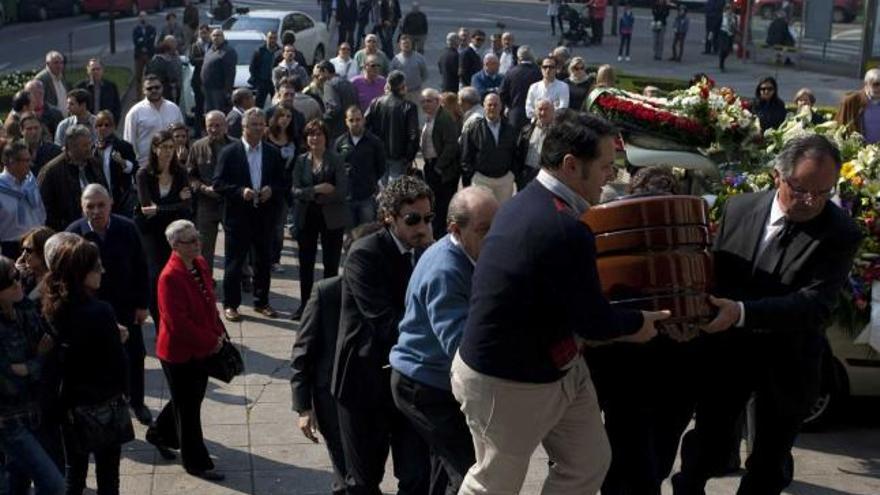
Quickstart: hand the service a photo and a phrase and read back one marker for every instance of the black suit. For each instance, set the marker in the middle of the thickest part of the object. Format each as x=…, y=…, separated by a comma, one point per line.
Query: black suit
x=312, y=363
x=448, y=67
x=248, y=224
x=515, y=88
x=786, y=311
x=373, y=289
x=346, y=14
x=469, y=63
x=124, y=195
x=109, y=97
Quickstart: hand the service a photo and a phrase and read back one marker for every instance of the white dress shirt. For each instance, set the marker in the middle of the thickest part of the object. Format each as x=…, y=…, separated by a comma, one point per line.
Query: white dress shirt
x=345, y=68
x=556, y=92
x=255, y=163
x=144, y=120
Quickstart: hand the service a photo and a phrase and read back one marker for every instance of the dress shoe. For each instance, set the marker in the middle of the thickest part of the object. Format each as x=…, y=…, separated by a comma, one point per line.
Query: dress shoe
x=164, y=452
x=143, y=415
x=266, y=311
x=297, y=315
x=247, y=285
x=231, y=314
x=209, y=475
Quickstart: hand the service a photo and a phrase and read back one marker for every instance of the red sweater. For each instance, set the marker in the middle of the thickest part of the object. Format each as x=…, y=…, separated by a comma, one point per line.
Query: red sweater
x=188, y=323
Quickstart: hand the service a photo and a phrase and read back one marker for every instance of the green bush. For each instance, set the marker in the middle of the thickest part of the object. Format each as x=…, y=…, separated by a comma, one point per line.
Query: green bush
x=14, y=81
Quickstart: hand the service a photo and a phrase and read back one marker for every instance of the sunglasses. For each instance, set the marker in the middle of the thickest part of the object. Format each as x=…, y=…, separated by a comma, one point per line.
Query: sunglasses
x=27, y=249
x=153, y=88
x=412, y=219
x=766, y=89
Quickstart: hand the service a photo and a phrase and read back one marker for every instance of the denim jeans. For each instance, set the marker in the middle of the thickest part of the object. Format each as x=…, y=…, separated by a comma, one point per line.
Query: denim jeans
x=27, y=460
x=393, y=170
x=362, y=211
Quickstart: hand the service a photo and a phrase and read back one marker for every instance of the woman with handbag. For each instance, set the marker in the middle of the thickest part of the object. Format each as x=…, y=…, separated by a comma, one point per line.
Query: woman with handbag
x=93, y=365
x=190, y=331
x=320, y=186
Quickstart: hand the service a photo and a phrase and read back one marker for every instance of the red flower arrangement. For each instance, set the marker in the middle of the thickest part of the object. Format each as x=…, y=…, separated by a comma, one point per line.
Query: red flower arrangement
x=638, y=115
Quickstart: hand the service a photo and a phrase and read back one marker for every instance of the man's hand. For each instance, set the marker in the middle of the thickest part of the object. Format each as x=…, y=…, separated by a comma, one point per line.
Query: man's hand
x=265, y=194
x=248, y=194
x=19, y=369
x=123, y=332
x=149, y=210
x=324, y=188
x=308, y=425
x=648, y=331
x=728, y=315
x=140, y=316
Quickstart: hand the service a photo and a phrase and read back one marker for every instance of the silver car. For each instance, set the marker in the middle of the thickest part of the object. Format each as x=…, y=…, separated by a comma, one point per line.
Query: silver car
x=312, y=37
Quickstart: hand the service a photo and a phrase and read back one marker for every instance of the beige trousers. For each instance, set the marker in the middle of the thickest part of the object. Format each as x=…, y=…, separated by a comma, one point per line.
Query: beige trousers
x=509, y=419
x=501, y=187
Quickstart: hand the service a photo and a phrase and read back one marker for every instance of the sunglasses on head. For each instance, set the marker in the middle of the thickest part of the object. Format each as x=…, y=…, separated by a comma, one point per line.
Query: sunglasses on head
x=412, y=219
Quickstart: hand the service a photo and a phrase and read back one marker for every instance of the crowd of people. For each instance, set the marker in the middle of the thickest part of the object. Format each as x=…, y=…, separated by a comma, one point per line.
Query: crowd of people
x=428, y=349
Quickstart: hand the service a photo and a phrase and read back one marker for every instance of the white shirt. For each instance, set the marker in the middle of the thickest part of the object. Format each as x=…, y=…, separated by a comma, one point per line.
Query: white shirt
x=427, y=140
x=494, y=128
x=556, y=92
x=345, y=68
x=60, y=92
x=255, y=163
x=506, y=61
x=144, y=120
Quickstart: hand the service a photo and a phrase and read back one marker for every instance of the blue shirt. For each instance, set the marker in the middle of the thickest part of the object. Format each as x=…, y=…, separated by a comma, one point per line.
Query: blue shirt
x=21, y=206
x=436, y=309
x=871, y=122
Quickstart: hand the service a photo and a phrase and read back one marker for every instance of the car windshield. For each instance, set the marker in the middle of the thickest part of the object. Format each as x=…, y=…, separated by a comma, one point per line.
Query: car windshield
x=245, y=49
x=248, y=23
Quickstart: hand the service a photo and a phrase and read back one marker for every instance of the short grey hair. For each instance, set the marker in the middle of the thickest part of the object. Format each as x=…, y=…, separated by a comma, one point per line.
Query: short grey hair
x=215, y=113
x=56, y=242
x=95, y=189
x=561, y=51
x=524, y=54
x=76, y=131
x=490, y=57
x=805, y=146
x=451, y=39
x=461, y=205
x=430, y=93
x=34, y=84
x=52, y=55
x=252, y=113
x=177, y=228
x=873, y=75
x=470, y=95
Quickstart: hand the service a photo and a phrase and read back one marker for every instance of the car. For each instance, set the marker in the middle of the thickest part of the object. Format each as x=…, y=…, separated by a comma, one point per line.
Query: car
x=312, y=37
x=125, y=7
x=844, y=10
x=40, y=10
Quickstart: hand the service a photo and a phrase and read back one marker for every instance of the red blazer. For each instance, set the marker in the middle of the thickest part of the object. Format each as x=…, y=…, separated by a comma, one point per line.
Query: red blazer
x=188, y=323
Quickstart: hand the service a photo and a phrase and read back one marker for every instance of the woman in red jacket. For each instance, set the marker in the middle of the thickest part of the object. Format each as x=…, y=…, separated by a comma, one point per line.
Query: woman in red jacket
x=189, y=331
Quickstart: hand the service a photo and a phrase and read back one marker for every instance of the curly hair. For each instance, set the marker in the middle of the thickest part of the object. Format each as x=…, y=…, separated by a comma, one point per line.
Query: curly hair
x=64, y=284
x=404, y=190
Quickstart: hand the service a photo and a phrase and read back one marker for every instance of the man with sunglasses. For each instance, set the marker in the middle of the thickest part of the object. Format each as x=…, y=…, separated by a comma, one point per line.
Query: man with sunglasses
x=470, y=62
x=860, y=110
x=781, y=258
x=548, y=87
x=374, y=283
x=149, y=116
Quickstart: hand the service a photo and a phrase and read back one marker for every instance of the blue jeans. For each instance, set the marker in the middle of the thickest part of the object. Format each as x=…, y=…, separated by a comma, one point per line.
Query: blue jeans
x=393, y=170
x=362, y=211
x=26, y=460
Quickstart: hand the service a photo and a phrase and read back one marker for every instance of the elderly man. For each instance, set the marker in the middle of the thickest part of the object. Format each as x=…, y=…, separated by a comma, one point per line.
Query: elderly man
x=439, y=145
x=21, y=207
x=396, y=121
x=41, y=149
x=364, y=156
x=413, y=66
x=261, y=69
x=489, y=79
x=125, y=284
x=104, y=94
x=242, y=99
x=447, y=64
x=548, y=87
x=507, y=59
x=415, y=25
x=54, y=84
x=218, y=73
x=149, y=116
x=487, y=150
x=289, y=67
x=49, y=116
x=250, y=177
x=202, y=163
x=469, y=62
x=78, y=114
x=516, y=84
x=470, y=102
x=62, y=180
x=860, y=110
x=437, y=301
x=371, y=48
x=338, y=96
x=531, y=141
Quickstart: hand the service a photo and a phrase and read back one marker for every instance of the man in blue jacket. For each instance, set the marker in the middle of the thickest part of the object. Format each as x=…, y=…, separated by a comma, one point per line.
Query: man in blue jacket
x=436, y=309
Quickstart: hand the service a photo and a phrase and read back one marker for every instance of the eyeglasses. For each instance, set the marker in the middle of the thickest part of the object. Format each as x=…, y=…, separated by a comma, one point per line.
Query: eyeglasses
x=27, y=249
x=412, y=219
x=14, y=278
x=766, y=89
x=153, y=88
x=802, y=194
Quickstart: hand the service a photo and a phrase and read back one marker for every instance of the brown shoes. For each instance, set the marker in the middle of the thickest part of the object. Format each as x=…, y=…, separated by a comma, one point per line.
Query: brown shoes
x=231, y=314
x=266, y=311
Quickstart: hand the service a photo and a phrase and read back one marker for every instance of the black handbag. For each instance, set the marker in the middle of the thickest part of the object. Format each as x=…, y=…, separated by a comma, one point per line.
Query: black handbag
x=99, y=426
x=226, y=364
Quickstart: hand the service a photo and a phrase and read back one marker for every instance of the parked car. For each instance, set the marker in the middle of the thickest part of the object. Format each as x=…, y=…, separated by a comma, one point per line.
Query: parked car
x=312, y=37
x=844, y=10
x=125, y=7
x=40, y=10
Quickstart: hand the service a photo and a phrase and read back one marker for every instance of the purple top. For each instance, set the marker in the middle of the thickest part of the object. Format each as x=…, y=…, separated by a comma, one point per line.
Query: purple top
x=871, y=122
x=367, y=91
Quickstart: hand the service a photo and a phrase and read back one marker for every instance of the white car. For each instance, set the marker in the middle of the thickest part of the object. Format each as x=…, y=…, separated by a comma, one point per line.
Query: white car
x=312, y=37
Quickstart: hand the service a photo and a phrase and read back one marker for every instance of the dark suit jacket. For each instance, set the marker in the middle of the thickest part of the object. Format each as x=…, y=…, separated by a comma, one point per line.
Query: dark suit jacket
x=50, y=118
x=785, y=312
x=445, y=140
x=373, y=289
x=448, y=67
x=469, y=64
x=60, y=189
x=480, y=153
x=124, y=284
x=49, y=88
x=232, y=175
x=124, y=197
x=46, y=151
x=346, y=12
x=109, y=97
x=515, y=88
x=315, y=344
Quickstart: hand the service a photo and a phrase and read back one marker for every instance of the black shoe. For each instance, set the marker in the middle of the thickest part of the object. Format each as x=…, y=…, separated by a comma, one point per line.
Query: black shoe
x=297, y=315
x=143, y=415
x=164, y=451
x=247, y=285
x=209, y=475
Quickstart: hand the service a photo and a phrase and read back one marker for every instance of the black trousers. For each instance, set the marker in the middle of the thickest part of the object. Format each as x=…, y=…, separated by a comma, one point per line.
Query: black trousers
x=647, y=403
x=106, y=469
x=713, y=29
x=135, y=352
x=368, y=431
x=443, y=193
x=625, y=41
x=598, y=26
x=238, y=244
x=328, y=422
x=265, y=89
x=346, y=34
x=331, y=248
x=678, y=45
x=179, y=425
x=437, y=417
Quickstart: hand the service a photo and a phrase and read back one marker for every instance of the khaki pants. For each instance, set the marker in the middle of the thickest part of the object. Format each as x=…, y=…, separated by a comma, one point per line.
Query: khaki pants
x=509, y=419
x=501, y=187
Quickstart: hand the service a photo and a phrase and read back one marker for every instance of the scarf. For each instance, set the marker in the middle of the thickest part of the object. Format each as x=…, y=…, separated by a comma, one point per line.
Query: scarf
x=27, y=197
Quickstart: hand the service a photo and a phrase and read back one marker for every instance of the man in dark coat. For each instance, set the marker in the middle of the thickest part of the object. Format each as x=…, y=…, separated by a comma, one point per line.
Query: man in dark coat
x=42, y=150
x=374, y=282
x=125, y=284
x=346, y=16
x=364, y=156
x=439, y=144
x=470, y=62
x=144, y=39
x=448, y=65
x=515, y=87
x=714, y=11
x=339, y=94
x=781, y=259
x=262, y=63
x=218, y=73
x=105, y=94
x=395, y=120
x=415, y=24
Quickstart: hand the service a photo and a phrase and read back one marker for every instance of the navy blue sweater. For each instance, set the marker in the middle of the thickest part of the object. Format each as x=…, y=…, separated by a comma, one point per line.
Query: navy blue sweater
x=534, y=288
